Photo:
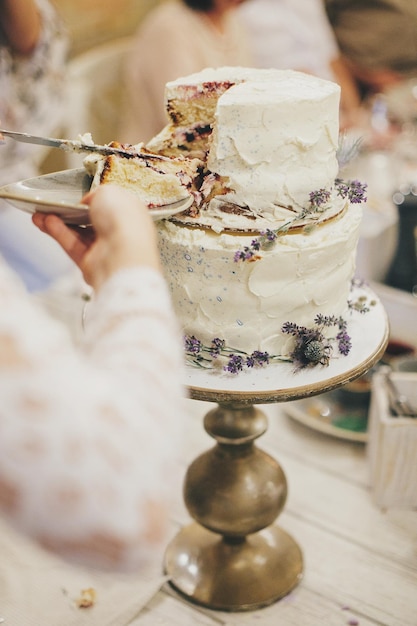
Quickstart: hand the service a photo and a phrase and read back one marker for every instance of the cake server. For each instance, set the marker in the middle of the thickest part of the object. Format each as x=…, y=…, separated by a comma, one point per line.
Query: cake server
x=77, y=146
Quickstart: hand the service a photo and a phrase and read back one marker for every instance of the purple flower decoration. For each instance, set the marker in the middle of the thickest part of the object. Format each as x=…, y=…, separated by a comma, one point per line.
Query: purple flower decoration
x=344, y=342
x=319, y=198
x=192, y=345
x=235, y=364
x=311, y=346
x=245, y=255
x=217, y=345
x=257, y=359
x=354, y=190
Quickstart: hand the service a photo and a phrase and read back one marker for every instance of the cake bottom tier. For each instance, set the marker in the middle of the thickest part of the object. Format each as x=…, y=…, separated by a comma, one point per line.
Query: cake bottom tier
x=245, y=303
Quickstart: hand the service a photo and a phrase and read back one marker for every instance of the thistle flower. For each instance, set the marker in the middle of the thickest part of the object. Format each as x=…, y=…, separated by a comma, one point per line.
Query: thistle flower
x=311, y=346
x=319, y=202
x=316, y=352
x=311, y=349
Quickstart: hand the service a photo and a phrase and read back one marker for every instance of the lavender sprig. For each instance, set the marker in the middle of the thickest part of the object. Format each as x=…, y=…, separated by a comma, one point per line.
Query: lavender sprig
x=311, y=348
x=237, y=360
x=248, y=252
x=354, y=191
x=319, y=199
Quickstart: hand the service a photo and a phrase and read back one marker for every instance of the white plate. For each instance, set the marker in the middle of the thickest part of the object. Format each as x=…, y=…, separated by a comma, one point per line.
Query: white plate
x=326, y=415
x=61, y=193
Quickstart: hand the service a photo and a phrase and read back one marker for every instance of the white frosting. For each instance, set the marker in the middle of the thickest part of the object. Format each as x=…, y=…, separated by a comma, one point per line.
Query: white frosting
x=86, y=139
x=258, y=220
x=94, y=164
x=246, y=303
x=276, y=141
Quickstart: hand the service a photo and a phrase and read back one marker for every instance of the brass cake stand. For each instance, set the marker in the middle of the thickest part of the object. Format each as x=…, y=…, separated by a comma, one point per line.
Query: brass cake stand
x=233, y=557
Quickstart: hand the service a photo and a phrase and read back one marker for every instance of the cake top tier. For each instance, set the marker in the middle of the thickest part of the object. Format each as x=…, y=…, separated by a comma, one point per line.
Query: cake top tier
x=273, y=138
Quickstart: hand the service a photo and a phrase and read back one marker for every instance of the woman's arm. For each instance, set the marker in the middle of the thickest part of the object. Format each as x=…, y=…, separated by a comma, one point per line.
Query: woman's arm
x=90, y=437
x=20, y=21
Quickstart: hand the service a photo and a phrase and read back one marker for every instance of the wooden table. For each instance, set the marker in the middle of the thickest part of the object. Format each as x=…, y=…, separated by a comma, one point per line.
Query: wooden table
x=360, y=562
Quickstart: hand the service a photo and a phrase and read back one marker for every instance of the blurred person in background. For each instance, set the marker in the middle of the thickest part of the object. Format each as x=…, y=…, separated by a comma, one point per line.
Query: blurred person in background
x=177, y=38
x=296, y=34
x=33, y=52
x=378, y=39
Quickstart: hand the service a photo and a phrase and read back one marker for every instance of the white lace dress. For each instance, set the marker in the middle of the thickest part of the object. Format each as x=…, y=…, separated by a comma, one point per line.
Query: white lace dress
x=90, y=437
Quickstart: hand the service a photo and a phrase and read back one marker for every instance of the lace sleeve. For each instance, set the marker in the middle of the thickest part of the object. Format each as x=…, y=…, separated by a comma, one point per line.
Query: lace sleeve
x=89, y=439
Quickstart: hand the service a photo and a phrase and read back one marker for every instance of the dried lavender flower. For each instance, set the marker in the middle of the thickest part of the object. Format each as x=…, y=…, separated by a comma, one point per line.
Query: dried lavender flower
x=354, y=190
x=257, y=359
x=192, y=345
x=319, y=198
x=217, y=345
x=235, y=364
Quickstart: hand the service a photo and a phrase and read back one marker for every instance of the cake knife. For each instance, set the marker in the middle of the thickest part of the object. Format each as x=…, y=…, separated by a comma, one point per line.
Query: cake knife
x=77, y=146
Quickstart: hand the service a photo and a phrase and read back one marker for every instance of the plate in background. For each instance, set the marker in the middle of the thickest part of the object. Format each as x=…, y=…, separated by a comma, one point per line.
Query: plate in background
x=326, y=414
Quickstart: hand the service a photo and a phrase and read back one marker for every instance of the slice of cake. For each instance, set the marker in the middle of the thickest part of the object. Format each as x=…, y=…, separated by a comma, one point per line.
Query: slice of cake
x=156, y=179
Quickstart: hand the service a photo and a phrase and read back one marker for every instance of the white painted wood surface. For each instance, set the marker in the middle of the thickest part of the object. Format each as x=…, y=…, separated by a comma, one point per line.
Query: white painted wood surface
x=360, y=562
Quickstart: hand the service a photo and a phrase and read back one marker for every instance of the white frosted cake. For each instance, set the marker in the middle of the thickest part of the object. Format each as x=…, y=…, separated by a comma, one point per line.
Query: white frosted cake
x=262, y=269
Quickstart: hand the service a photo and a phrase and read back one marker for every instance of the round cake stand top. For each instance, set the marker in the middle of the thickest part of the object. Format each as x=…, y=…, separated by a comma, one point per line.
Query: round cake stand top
x=279, y=382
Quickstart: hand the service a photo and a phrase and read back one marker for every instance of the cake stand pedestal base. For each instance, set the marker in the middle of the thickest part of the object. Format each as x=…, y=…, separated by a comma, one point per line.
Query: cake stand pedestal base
x=245, y=575
x=234, y=559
